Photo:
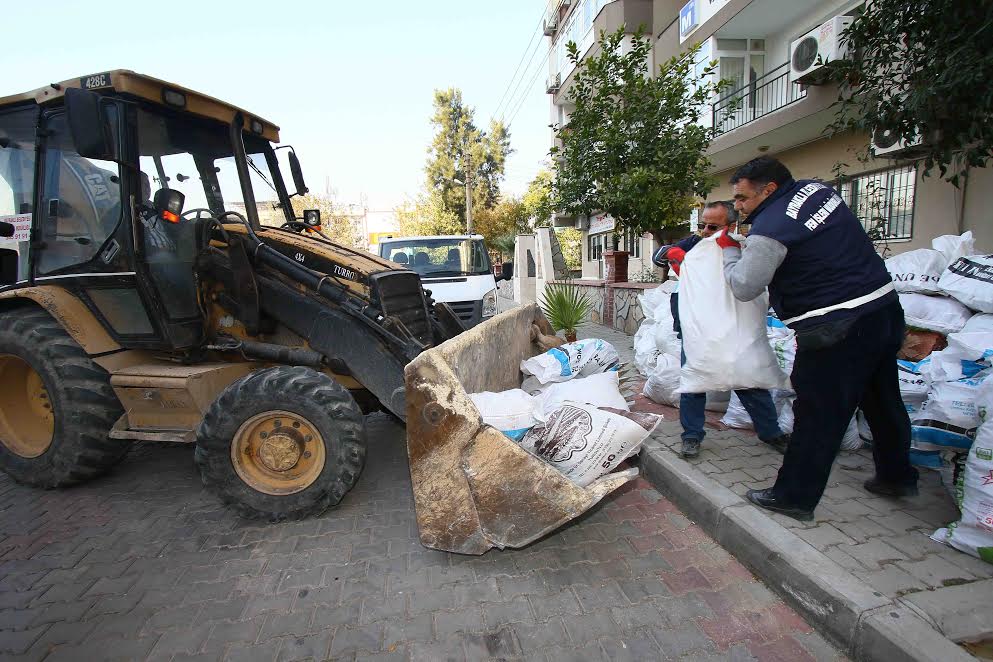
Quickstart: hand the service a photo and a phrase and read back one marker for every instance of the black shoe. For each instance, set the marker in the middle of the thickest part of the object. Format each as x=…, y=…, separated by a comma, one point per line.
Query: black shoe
x=691, y=448
x=779, y=443
x=884, y=488
x=766, y=499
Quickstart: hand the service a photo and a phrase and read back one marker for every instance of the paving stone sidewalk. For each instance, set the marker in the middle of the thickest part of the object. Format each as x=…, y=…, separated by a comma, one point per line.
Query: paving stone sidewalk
x=883, y=542
x=144, y=564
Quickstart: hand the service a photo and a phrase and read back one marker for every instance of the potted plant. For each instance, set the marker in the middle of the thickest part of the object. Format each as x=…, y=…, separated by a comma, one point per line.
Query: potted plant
x=566, y=306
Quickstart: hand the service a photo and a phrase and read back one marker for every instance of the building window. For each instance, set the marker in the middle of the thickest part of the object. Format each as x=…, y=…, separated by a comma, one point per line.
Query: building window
x=594, y=246
x=883, y=201
x=631, y=243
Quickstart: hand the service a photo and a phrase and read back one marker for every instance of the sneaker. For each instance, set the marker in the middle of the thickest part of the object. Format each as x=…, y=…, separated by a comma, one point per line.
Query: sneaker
x=691, y=448
x=884, y=488
x=768, y=500
x=779, y=443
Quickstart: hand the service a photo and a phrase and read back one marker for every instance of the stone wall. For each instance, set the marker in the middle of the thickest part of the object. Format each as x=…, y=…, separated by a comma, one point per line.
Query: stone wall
x=626, y=309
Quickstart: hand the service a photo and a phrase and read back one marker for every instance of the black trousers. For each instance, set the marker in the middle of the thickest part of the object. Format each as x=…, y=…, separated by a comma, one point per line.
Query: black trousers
x=858, y=370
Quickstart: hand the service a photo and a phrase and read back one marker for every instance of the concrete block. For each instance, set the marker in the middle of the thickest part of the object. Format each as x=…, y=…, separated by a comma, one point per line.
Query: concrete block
x=896, y=634
x=962, y=613
x=701, y=498
x=826, y=594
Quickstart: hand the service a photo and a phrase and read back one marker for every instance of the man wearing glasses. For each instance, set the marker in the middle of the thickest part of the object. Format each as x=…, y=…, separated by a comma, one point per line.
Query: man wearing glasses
x=716, y=217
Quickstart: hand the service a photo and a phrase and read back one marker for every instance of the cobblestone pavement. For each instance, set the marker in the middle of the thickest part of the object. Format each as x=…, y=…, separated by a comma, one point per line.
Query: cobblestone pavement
x=144, y=564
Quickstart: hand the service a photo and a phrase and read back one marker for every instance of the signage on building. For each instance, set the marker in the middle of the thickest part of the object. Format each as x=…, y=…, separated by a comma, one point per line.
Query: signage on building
x=601, y=223
x=695, y=13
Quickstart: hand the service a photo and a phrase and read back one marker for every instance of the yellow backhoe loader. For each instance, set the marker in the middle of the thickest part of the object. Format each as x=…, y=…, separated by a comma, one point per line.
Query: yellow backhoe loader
x=157, y=285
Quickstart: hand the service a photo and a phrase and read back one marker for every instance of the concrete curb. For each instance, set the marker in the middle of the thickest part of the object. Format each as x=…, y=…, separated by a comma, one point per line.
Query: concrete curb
x=861, y=621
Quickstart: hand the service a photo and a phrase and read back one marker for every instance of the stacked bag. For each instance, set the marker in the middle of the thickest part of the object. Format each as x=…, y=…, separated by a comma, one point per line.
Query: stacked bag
x=570, y=411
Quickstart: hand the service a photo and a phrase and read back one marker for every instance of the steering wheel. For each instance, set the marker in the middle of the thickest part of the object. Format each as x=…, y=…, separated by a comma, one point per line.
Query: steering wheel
x=199, y=211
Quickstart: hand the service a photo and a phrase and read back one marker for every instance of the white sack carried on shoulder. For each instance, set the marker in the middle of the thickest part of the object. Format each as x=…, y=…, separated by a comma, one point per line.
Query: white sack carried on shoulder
x=724, y=339
x=917, y=271
x=663, y=381
x=970, y=280
x=511, y=412
x=601, y=390
x=934, y=313
x=584, y=442
x=575, y=359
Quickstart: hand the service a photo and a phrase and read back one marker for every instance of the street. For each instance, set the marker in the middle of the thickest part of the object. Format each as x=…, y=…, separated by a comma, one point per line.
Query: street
x=145, y=564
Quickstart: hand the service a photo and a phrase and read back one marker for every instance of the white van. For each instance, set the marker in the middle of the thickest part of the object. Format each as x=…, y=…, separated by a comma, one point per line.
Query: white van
x=455, y=268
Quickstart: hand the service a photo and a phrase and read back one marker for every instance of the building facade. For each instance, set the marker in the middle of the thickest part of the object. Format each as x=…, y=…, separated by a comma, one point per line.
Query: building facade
x=776, y=106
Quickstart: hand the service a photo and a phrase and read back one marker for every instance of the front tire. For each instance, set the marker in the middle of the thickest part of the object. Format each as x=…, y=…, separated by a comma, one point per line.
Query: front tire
x=56, y=405
x=281, y=443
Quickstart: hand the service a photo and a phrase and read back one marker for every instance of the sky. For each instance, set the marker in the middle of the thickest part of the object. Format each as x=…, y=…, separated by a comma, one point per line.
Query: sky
x=349, y=83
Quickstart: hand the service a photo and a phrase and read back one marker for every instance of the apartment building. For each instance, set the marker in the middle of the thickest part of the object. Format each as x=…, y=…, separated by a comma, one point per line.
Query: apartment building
x=776, y=106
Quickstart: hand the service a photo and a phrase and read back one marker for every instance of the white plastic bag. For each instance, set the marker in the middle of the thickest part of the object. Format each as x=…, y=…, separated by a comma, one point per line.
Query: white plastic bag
x=511, y=412
x=979, y=323
x=952, y=247
x=934, y=313
x=663, y=382
x=917, y=271
x=655, y=302
x=736, y=415
x=949, y=416
x=600, y=390
x=851, y=441
x=914, y=386
x=584, y=442
x=724, y=339
x=966, y=356
x=646, y=353
x=575, y=359
x=970, y=280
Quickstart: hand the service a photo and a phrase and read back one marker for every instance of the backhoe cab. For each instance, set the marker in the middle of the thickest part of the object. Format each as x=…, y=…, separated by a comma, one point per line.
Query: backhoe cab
x=156, y=284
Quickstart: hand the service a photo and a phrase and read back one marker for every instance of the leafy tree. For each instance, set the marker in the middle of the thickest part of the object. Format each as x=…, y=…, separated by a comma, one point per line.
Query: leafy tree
x=634, y=147
x=922, y=69
x=458, y=148
x=571, y=243
x=427, y=215
x=508, y=217
x=341, y=227
x=503, y=245
x=539, y=199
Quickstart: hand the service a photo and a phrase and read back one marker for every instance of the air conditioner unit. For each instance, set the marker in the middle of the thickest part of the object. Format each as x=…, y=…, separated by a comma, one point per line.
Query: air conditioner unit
x=553, y=83
x=551, y=24
x=814, y=51
x=889, y=144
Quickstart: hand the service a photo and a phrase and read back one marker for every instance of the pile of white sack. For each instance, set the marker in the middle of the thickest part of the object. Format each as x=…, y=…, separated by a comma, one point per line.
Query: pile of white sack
x=570, y=411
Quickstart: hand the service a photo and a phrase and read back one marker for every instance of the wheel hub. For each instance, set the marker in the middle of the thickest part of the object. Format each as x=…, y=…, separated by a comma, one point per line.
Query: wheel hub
x=27, y=416
x=280, y=452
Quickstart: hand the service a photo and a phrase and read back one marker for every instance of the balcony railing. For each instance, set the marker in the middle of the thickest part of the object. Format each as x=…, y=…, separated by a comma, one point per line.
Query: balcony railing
x=769, y=92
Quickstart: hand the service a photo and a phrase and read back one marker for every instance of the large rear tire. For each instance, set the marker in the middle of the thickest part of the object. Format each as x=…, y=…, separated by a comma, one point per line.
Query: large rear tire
x=282, y=443
x=56, y=405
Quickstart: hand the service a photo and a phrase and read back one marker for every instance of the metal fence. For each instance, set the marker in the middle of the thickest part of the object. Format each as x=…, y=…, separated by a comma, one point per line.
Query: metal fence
x=758, y=98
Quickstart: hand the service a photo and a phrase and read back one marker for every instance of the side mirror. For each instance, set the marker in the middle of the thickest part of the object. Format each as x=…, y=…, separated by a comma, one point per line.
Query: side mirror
x=89, y=126
x=297, y=173
x=507, y=271
x=312, y=217
x=169, y=203
x=7, y=229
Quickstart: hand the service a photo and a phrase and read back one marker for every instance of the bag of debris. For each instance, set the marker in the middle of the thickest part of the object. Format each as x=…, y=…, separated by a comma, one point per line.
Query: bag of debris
x=511, y=412
x=934, y=313
x=724, y=339
x=663, y=381
x=967, y=355
x=917, y=271
x=584, y=442
x=979, y=323
x=737, y=416
x=655, y=302
x=949, y=416
x=914, y=386
x=952, y=247
x=575, y=359
x=851, y=441
x=973, y=533
x=970, y=280
x=600, y=390
x=646, y=353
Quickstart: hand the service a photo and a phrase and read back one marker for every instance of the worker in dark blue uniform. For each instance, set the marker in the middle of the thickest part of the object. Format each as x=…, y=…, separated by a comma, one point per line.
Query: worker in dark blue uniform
x=827, y=283
x=717, y=217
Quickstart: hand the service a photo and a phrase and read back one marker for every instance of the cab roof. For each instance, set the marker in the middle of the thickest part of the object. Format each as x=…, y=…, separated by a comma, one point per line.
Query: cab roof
x=123, y=81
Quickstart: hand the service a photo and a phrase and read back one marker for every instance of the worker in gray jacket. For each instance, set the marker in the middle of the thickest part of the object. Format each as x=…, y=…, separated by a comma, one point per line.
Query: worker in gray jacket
x=827, y=283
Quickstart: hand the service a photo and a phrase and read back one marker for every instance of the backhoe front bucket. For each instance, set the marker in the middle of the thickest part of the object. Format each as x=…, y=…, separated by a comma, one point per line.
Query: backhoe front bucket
x=474, y=488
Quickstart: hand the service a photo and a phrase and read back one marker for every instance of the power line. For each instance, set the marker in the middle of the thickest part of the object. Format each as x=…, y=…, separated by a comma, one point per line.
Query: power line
x=536, y=31
x=527, y=89
x=511, y=90
x=513, y=95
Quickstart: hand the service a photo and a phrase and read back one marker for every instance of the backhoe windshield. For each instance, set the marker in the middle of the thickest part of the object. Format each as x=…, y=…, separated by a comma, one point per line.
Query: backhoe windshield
x=445, y=256
x=195, y=157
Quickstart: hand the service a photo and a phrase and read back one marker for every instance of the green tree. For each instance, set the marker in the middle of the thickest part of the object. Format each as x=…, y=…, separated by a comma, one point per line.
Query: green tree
x=460, y=147
x=571, y=243
x=634, y=147
x=539, y=199
x=337, y=225
x=427, y=215
x=922, y=70
x=509, y=216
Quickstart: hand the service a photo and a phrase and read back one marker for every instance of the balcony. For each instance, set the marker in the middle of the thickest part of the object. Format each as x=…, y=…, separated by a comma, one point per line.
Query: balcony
x=764, y=95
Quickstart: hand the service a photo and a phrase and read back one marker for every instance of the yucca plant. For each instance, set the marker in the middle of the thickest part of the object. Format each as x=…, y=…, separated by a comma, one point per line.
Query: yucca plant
x=566, y=306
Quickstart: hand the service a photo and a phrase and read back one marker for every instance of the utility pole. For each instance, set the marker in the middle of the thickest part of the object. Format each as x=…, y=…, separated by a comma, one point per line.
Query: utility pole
x=468, y=189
